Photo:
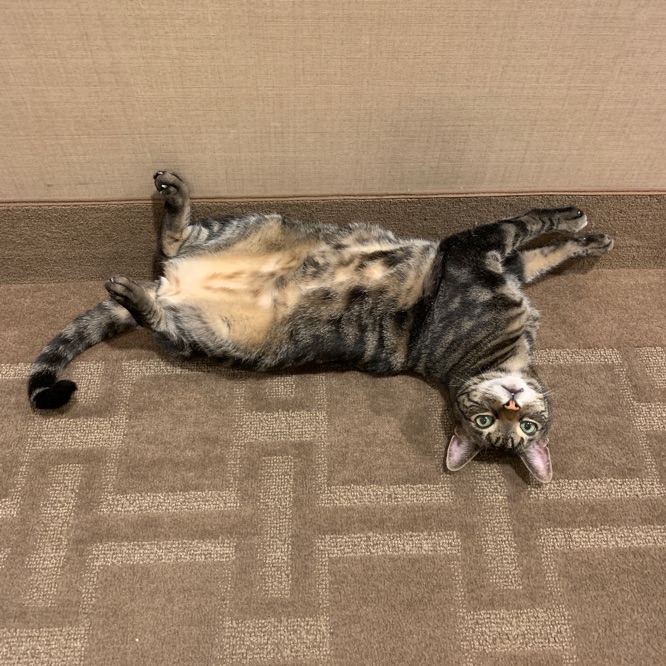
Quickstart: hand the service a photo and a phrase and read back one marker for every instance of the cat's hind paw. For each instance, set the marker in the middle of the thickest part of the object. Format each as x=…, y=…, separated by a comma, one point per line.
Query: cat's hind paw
x=596, y=245
x=125, y=291
x=172, y=187
x=133, y=297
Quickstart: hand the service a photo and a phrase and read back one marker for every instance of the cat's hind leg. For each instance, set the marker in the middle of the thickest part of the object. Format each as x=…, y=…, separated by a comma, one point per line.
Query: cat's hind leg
x=139, y=298
x=540, y=261
x=176, y=218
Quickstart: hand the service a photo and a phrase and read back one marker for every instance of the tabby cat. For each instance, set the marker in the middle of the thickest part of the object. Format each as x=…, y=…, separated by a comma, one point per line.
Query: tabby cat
x=266, y=292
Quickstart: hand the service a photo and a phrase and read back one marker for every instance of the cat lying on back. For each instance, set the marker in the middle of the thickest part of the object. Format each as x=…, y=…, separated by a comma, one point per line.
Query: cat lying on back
x=271, y=293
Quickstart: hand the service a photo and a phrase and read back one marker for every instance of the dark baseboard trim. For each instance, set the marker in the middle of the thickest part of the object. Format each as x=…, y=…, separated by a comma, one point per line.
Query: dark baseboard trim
x=348, y=197
x=63, y=241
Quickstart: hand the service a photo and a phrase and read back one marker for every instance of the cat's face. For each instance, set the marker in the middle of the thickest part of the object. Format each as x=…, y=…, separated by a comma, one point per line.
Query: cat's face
x=502, y=411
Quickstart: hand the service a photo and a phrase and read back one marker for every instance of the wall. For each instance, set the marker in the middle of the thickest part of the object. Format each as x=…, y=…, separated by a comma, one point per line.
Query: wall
x=334, y=97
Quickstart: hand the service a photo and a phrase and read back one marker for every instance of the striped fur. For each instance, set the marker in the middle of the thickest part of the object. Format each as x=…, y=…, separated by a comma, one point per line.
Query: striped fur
x=270, y=293
x=103, y=321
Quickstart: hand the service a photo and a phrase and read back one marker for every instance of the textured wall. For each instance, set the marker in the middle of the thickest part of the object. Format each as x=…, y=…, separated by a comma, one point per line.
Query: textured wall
x=264, y=98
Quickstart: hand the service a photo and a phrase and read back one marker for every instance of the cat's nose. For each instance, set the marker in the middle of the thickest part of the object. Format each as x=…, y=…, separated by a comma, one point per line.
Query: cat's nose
x=513, y=391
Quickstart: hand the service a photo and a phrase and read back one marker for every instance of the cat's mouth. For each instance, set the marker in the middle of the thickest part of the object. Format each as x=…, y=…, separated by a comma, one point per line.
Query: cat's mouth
x=510, y=391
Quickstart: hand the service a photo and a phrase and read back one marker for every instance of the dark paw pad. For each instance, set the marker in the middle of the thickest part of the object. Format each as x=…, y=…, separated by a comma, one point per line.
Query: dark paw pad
x=123, y=290
x=170, y=186
x=133, y=297
x=596, y=245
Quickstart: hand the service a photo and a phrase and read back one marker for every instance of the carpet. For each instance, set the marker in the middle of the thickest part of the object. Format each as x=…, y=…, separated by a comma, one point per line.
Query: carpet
x=179, y=513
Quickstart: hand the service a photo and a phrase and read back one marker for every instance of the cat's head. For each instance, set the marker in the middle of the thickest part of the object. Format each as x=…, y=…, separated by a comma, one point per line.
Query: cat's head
x=509, y=411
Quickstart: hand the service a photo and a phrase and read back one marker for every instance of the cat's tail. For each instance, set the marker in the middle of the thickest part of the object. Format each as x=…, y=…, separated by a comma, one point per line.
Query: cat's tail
x=103, y=321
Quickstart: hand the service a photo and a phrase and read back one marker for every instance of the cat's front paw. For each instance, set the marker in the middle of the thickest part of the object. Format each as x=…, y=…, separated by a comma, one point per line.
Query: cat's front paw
x=570, y=219
x=596, y=245
x=172, y=187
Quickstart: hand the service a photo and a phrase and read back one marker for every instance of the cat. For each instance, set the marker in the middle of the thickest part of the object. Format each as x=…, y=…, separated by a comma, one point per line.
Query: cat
x=270, y=293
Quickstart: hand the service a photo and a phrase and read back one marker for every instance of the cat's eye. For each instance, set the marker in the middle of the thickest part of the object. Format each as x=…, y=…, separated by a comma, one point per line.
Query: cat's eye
x=528, y=427
x=484, y=420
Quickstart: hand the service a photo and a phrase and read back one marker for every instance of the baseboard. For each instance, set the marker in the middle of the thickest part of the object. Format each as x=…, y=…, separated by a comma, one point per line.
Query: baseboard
x=59, y=242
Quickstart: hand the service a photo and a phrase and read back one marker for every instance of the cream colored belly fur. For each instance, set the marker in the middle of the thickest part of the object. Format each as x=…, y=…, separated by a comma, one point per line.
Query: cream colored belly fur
x=241, y=293
x=234, y=292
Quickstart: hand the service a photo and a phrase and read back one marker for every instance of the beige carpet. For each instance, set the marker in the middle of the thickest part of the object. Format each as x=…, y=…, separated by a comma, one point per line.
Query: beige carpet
x=190, y=515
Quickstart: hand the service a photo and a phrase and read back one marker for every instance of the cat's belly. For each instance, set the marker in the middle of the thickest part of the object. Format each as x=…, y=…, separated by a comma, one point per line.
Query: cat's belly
x=244, y=299
x=234, y=295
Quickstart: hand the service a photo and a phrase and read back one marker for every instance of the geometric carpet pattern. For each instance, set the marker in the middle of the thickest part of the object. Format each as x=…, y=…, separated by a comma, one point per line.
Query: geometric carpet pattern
x=182, y=513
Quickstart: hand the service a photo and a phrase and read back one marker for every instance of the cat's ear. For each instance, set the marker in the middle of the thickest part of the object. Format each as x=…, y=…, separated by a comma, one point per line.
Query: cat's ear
x=460, y=452
x=537, y=460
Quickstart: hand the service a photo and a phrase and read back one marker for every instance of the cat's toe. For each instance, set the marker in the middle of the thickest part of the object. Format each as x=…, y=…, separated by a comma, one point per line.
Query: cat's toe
x=596, y=245
x=170, y=185
x=571, y=218
x=119, y=287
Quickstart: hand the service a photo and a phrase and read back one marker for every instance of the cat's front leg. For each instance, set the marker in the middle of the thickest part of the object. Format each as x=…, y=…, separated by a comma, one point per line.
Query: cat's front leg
x=508, y=235
x=532, y=224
